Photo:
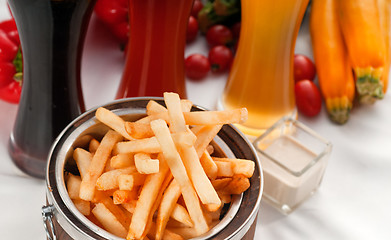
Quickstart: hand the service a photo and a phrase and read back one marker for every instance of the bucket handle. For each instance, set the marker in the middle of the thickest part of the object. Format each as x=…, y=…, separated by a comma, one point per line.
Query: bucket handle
x=47, y=215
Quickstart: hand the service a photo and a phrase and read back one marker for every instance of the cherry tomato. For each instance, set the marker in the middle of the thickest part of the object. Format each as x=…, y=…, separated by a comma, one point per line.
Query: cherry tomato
x=192, y=29
x=11, y=92
x=197, y=6
x=219, y=35
x=308, y=99
x=304, y=68
x=220, y=58
x=197, y=66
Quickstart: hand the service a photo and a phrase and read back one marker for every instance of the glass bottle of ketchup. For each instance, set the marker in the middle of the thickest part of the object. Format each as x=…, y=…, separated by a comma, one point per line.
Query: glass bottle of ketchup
x=52, y=34
x=155, y=56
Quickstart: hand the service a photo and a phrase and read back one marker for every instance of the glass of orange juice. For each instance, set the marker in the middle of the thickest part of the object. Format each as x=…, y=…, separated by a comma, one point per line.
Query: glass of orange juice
x=261, y=77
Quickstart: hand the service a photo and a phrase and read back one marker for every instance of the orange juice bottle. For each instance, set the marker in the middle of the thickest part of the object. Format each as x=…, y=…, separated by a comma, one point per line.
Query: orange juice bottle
x=261, y=77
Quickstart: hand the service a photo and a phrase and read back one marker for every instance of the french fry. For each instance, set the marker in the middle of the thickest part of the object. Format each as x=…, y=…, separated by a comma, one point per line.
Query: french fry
x=154, y=108
x=146, y=145
x=109, y=180
x=159, y=197
x=224, y=169
x=145, y=202
x=130, y=206
x=184, y=138
x=186, y=105
x=180, y=214
x=87, y=186
x=108, y=220
x=178, y=170
x=145, y=164
x=209, y=165
x=122, y=160
x=93, y=145
x=83, y=206
x=216, y=117
x=239, y=166
x=113, y=121
x=151, y=145
x=138, y=130
x=225, y=197
x=73, y=186
x=221, y=183
x=166, y=207
x=83, y=159
x=130, y=181
x=124, y=196
x=201, y=183
x=177, y=121
x=204, y=136
x=116, y=210
x=238, y=185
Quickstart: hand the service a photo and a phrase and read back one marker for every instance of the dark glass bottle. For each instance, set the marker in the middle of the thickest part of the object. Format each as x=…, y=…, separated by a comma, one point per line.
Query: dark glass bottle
x=52, y=34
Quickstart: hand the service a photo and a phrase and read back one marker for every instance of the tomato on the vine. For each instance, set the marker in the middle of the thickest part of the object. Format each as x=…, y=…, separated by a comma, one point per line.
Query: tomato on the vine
x=192, y=29
x=114, y=13
x=219, y=35
x=308, y=98
x=197, y=6
x=304, y=68
x=220, y=58
x=197, y=66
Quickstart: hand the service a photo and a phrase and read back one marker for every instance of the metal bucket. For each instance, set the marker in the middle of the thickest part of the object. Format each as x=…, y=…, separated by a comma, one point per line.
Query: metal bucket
x=63, y=221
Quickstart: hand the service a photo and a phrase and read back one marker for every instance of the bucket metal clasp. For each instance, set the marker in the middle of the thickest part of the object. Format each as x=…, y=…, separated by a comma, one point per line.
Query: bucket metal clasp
x=47, y=215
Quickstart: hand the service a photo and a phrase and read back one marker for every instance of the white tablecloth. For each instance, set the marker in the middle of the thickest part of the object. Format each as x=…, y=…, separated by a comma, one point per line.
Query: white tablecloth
x=353, y=202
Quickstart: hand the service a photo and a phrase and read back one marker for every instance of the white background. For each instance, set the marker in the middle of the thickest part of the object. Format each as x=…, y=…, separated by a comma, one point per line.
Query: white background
x=353, y=202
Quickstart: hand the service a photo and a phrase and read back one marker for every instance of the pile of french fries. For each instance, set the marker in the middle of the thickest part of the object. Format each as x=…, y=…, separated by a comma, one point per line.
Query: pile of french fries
x=156, y=178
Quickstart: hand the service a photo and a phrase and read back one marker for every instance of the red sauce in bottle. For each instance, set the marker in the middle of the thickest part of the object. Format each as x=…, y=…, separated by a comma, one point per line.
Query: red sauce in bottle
x=155, y=55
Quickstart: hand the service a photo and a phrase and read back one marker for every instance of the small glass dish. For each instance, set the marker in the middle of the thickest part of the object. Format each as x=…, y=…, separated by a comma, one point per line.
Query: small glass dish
x=294, y=159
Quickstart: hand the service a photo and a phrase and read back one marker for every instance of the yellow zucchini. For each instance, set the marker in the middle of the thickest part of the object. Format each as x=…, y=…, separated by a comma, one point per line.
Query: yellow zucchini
x=332, y=63
x=360, y=24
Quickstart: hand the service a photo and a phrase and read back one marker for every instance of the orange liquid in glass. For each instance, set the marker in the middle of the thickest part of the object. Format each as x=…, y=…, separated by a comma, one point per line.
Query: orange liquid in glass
x=261, y=78
x=155, y=57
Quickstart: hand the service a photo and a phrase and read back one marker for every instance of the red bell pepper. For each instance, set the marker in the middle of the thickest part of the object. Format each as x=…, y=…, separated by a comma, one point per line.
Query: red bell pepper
x=114, y=14
x=10, y=62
